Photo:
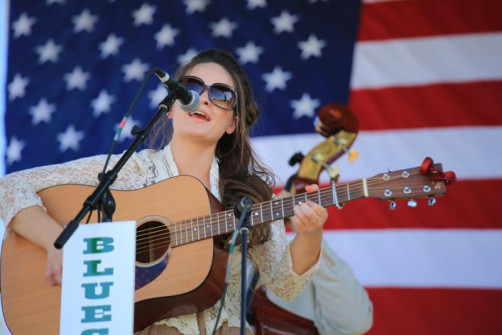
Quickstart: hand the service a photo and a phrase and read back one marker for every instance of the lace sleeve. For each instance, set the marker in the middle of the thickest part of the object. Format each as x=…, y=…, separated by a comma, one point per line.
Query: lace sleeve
x=273, y=259
x=19, y=190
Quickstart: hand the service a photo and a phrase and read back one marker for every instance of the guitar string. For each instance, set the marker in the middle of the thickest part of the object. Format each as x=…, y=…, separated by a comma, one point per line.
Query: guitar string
x=267, y=212
x=161, y=242
x=285, y=201
x=215, y=215
x=325, y=195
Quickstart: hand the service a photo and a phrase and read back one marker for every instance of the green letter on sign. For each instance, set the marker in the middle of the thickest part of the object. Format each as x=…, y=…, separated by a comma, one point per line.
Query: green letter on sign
x=91, y=288
x=97, y=245
x=97, y=313
x=95, y=332
x=92, y=269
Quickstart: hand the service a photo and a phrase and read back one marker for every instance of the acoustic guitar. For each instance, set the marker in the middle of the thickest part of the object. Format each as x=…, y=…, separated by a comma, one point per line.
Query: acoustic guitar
x=180, y=262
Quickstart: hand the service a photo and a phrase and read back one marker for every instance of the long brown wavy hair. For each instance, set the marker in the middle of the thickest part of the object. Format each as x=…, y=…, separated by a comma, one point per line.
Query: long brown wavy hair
x=241, y=171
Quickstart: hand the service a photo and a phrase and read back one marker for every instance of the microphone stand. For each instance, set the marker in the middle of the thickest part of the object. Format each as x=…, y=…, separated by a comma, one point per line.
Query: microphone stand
x=243, y=210
x=101, y=196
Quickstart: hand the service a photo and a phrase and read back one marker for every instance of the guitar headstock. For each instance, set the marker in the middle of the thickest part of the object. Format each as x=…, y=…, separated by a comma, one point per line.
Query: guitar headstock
x=409, y=183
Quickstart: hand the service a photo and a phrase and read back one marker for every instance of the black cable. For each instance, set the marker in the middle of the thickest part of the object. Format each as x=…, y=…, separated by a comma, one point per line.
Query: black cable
x=124, y=119
x=119, y=131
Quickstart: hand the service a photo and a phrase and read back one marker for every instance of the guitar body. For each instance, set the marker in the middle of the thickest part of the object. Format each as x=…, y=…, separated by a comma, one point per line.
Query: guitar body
x=192, y=280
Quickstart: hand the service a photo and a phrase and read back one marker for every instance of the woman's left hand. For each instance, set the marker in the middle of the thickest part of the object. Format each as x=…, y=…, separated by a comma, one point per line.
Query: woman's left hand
x=308, y=221
x=309, y=217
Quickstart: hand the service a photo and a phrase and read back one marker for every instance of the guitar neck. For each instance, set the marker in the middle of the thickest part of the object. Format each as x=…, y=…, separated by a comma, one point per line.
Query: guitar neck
x=225, y=222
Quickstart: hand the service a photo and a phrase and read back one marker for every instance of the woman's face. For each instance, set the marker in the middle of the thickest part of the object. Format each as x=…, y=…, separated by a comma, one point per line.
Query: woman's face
x=210, y=122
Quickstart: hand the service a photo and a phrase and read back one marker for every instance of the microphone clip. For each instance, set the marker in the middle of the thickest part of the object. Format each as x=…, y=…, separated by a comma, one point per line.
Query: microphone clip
x=242, y=210
x=189, y=100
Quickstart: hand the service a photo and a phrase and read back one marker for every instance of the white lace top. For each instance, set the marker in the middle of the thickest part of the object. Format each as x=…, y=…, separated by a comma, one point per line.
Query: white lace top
x=19, y=190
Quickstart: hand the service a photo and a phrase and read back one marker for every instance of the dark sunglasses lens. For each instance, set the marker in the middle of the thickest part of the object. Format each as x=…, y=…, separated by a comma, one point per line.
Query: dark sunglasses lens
x=193, y=84
x=222, y=96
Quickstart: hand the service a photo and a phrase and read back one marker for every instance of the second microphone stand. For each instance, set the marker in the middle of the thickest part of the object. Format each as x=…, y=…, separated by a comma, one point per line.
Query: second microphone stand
x=243, y=210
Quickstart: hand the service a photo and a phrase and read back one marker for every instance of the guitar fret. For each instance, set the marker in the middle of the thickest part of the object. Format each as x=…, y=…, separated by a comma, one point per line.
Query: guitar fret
x=219, y=233
x=191, y=228
x=205, y=226
x=319, y=201
x=271, y=211
x=365, y=187
x=175, y=234
x=186, y=229
x=233, y=217
x=198, y=229
x=348, y=191
x=261, y=212
x=181, y=233
x=211, y=226
x=282, y=207
x=226, y=223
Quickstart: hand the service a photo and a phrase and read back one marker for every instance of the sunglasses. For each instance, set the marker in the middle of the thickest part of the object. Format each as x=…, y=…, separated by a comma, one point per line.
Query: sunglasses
x=220, y=95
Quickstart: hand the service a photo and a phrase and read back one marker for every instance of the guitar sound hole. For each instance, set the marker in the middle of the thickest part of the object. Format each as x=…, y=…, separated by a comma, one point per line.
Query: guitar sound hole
x=152, y=241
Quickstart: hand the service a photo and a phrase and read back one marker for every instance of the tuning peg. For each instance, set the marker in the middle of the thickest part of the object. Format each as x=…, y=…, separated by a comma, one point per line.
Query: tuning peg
x=432, y=201
x=352, y=155
x=296, y=158
x=412, y=203
x=392, y=205
x=333, y=170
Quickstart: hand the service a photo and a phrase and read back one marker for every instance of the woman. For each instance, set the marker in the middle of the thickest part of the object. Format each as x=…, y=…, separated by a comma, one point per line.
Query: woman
x=211, y=144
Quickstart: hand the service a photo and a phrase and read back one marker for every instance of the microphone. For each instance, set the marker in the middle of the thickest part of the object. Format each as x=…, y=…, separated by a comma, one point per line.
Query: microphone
x=189, y=100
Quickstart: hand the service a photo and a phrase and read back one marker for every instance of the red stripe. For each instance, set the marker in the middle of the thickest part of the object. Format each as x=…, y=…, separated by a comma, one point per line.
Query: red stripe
x=436, y=311
x=403, y=19
x=467, y=204
x=442, y=105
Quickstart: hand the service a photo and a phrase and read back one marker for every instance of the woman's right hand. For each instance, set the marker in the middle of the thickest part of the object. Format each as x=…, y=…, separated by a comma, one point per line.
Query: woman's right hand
x=37, y=226
x=54, y=268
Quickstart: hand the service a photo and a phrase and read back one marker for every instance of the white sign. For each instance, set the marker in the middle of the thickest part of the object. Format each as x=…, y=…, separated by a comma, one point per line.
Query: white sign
x=98, y=280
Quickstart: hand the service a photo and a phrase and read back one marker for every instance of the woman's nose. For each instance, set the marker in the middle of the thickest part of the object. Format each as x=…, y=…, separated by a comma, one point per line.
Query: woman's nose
x=204, y=97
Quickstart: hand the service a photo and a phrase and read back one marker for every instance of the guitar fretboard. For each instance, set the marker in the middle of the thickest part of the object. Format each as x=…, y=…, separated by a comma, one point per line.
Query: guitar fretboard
x=401, y=184
x=225, y=222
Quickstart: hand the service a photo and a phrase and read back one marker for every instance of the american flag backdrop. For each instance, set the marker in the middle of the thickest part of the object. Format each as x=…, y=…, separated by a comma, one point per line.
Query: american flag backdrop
x=424, y=78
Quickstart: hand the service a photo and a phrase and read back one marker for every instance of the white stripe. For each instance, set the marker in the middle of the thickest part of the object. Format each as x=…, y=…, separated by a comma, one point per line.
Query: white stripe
x=422, y=258
x=417, y=61
x=472, y=152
